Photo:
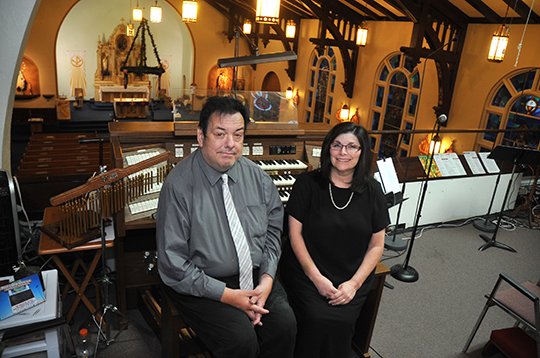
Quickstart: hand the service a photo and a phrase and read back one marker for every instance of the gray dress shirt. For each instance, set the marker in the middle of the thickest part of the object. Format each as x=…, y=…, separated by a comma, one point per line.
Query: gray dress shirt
x=194, y=243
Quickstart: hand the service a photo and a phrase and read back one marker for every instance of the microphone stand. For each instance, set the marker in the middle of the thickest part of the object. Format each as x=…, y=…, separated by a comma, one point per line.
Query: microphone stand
x=404, y=272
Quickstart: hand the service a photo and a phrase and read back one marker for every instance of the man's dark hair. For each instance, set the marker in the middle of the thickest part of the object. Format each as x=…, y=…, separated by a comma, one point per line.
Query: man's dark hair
x=362, y=172
x=221, y=105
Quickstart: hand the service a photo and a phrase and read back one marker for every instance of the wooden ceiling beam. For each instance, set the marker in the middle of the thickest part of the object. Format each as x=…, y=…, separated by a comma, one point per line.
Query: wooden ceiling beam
x=370, y=14
x=389, y=14
x=485, y=10
x=409, y=9
x=523, y=10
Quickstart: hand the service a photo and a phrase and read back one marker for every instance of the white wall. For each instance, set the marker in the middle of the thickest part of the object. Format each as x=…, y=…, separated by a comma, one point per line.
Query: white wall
x=89, y=20
x=15, y=20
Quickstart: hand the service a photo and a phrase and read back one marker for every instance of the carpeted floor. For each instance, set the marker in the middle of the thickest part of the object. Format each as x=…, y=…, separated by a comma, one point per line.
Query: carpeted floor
x=434, y=316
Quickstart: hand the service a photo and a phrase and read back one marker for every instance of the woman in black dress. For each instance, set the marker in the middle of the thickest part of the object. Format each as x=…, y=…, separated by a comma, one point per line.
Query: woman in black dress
x=337, y=216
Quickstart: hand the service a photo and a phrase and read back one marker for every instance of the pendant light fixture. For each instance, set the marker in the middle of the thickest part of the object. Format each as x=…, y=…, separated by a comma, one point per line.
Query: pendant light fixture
x=247, y=27
x=290, y=29
x=155, y=13
x=361, y=35
x=498, y=45
x=189, y=11
x=499, y=41
x=136, y=13
x=267, y=11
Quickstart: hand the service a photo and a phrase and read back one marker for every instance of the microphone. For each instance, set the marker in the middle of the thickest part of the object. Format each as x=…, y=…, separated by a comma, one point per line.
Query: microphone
x=442, y=118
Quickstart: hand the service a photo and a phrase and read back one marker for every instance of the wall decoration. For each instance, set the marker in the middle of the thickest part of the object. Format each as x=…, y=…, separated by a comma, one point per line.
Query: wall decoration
x=220, y=80
x=27, y=85
x=77, y=81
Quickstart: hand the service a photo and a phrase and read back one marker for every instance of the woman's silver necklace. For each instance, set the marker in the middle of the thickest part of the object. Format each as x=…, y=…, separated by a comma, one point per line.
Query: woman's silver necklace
x=334, y=203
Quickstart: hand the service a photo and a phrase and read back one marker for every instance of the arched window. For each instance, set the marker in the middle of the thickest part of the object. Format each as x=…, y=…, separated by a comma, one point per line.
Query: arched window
x=321, y=85
x=513, y=103
x=394, y=104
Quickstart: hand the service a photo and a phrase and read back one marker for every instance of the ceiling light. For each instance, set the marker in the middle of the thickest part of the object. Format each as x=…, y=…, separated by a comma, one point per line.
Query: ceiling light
x=498, y=45
x=267, y=11
x=247, y=27
x=189, y=11
x=290, y=29
x=155, y=13
x=361, y=35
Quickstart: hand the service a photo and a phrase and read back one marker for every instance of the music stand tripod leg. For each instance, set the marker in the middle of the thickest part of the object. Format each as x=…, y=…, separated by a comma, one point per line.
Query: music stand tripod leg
x=492, y=242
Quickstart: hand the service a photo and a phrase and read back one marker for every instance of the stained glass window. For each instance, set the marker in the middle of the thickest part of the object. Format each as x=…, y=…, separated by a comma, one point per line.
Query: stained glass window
x=384, y=74
x=502, y=97
x=394, y=61
x=322, y=83
x=494, y=121
x=375, y=122
x=516, y=109
x=523, y=81
x=397, y=94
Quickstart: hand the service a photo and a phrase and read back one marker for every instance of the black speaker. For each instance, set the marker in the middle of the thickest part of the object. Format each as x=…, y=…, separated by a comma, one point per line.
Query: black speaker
x=10, y=241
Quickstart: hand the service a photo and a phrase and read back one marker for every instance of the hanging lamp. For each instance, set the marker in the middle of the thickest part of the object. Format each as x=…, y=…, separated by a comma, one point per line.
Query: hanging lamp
x=189, y=11
x=267, y=11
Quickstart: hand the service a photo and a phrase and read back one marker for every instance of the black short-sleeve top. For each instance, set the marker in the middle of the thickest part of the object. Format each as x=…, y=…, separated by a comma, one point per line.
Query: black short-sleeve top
x=337, y=240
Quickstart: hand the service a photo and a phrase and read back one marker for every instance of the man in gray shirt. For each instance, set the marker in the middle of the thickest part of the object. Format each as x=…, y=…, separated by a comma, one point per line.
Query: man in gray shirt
x=197, y=255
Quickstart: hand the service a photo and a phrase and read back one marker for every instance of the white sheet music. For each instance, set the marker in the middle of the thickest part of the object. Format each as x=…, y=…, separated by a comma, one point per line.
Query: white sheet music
x=474, y=162
x=387, y=176
x=449, y=164
x=490, y=164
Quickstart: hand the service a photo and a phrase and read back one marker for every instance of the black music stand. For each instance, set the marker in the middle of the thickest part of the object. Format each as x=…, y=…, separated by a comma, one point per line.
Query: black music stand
x=516, y=155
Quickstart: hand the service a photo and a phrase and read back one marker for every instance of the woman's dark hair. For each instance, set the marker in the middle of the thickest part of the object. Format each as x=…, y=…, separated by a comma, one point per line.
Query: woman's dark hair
x=221, y=105
x=362, y=171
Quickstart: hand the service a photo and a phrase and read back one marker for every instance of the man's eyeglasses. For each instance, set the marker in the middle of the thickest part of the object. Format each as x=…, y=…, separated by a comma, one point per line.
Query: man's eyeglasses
x=349, y=148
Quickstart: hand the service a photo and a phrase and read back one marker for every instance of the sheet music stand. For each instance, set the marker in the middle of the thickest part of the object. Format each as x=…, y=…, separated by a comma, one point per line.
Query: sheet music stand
x=392, y=199
x=516, y=155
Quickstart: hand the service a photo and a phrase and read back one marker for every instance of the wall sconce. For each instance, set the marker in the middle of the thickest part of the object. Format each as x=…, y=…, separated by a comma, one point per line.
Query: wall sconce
x=136, y=13
x=289, y=93
x=498, y=45
x=267, y=11
x=435, y=144
x=247, y=27
x=155, y=13
x=343, y=113
x=290, y=29
x=361, y=35
x=189, y=11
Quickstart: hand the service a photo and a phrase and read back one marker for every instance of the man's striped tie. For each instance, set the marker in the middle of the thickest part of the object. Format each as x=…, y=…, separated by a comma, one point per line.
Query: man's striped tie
x=242, y=248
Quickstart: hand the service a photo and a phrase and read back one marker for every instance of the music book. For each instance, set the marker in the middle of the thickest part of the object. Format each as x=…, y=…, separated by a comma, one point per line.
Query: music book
x=20, y=295
x=490, y=164
x=449, y=164
x=473, y=160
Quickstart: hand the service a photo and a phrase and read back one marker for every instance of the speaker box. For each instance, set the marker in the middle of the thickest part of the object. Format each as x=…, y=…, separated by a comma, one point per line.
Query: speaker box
x=10, y=242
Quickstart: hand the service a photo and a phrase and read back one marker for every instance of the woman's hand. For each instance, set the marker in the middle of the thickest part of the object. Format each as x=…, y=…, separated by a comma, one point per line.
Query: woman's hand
x=324, y=286
x=344, y=294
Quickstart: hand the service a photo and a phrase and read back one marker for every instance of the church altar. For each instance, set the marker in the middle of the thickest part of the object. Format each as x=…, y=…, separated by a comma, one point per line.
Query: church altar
x=109, y=93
